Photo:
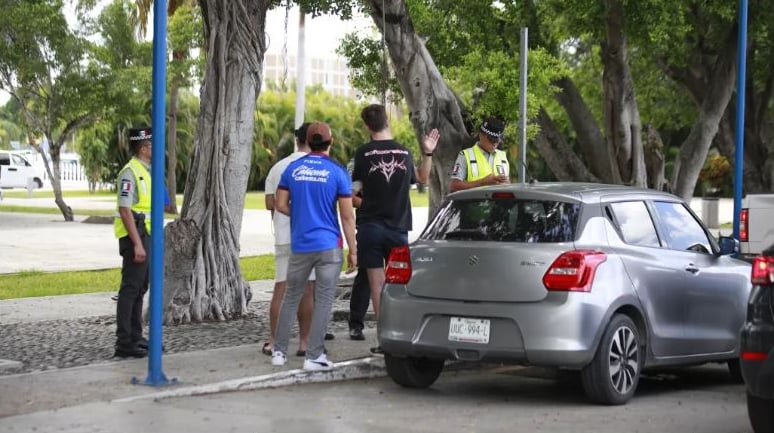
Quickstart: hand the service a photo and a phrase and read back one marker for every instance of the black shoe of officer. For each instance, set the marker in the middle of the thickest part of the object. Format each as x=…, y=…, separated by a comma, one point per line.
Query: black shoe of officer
x=142, y=343
x=130, y=352
x=356, y=334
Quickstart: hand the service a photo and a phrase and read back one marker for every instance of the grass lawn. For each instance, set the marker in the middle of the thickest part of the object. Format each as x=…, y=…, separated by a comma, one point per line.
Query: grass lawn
x=37, y=283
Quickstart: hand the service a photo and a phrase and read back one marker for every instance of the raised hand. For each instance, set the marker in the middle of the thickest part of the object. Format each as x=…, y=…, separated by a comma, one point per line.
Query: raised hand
x=430, y=141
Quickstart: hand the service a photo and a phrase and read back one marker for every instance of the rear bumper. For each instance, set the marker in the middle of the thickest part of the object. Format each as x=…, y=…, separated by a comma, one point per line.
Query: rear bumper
x=758, y=375
x=560, y=331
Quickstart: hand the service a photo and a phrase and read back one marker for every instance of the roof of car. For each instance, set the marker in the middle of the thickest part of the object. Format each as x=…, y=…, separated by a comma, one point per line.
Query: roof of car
x=572, y=190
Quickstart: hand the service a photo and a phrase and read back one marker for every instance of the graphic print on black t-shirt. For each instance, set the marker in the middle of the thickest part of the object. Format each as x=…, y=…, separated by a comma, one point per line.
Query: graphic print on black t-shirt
x=387, y=162
x=386, y=170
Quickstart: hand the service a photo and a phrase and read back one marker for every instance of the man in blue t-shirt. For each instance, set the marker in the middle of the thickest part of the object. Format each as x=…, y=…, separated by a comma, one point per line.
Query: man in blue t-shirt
x=308, y=192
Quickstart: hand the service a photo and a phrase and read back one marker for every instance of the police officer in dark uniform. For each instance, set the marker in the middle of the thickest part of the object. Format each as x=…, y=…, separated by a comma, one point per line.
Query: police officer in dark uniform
x=132, y=228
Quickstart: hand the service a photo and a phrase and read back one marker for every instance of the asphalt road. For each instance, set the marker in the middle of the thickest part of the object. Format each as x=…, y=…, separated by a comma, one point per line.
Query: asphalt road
x=701, y=399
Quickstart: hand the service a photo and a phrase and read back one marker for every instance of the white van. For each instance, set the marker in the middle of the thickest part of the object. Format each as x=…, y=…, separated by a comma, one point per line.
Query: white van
x=15, y=169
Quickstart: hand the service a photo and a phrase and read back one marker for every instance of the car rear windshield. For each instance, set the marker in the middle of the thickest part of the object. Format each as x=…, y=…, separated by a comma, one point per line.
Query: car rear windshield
x=505, y=220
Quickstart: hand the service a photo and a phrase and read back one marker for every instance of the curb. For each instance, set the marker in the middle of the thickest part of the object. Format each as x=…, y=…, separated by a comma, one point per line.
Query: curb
x=364, y=368
x=9, y=364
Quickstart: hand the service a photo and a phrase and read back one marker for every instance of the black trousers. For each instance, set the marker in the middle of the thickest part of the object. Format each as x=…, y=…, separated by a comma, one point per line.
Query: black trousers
x=134, y=284
x=359, y=299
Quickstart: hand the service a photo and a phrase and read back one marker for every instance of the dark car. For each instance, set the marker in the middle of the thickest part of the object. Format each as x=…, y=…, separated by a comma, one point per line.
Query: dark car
x=757, y=345
x=602, y=279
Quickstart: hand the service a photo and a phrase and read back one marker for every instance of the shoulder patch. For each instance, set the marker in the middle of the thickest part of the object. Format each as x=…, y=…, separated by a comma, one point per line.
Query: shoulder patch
x=456, y=169
x=126, y=188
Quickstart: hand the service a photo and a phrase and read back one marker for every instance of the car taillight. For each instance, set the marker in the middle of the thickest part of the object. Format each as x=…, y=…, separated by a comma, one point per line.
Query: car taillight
x=753, y=356
x=398, y=266
x=573, y=271
x=762, y=270
x=743, y=219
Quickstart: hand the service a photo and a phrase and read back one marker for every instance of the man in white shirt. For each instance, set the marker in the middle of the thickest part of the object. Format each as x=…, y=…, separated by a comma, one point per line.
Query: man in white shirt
x=281, y=224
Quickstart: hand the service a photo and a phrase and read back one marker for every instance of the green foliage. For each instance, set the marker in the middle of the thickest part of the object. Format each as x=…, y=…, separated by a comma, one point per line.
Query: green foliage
x=274, y=127
x=490, y=83
x=365, y=59
x=715, y=178
x=93, y=150
x=48, y=68
x=185, y=36
x=342, y=8
x=126, y=102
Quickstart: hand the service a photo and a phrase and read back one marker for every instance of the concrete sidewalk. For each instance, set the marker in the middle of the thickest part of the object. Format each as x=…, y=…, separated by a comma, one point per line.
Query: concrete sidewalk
x=239, y=367
x=200, y=372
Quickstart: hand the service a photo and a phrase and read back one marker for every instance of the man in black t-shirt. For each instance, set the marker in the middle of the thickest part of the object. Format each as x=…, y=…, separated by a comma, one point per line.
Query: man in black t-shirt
x=383, y=173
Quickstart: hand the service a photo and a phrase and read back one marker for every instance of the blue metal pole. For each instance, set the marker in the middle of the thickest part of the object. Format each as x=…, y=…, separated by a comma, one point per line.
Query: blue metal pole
x=156, y=375
x=741, y=70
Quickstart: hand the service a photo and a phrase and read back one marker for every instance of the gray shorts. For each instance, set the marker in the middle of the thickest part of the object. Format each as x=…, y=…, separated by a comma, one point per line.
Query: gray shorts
x=281, y=258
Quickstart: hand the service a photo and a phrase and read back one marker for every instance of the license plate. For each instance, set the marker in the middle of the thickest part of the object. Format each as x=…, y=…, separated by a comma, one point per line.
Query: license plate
x=468, y=330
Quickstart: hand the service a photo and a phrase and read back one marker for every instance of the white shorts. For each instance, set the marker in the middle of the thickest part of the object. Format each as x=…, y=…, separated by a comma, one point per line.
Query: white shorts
x=281, y=258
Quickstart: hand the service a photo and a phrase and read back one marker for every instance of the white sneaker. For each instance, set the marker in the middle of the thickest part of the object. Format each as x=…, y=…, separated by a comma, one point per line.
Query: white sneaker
x=321, y=363
x=278, y=358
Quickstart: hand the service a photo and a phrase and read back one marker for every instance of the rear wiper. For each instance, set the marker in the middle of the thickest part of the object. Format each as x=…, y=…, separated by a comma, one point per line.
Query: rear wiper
x=476, y=234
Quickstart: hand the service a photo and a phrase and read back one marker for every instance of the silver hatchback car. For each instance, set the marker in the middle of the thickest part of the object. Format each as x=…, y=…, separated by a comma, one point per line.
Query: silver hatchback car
x=603, y=279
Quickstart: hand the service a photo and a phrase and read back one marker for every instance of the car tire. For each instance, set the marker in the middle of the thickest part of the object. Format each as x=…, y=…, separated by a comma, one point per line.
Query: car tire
x=613, y=374
x=735, y=369
x=760, y=413
x=38, y=183
x=413, y=372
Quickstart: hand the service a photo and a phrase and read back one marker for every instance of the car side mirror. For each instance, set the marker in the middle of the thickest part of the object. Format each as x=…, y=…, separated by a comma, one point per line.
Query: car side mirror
x=728, y=245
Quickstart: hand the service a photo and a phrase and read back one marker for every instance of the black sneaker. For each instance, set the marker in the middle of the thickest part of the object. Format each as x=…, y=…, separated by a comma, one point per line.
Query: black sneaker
x=356, y=334
x=329, y=336
x=130, y=352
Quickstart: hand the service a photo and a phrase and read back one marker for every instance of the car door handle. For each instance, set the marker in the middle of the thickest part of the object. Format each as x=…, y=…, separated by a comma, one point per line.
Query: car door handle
x=11, y=169
x=692, y=269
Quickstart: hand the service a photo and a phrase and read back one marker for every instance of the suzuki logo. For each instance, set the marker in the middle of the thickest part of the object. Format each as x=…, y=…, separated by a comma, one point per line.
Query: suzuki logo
x=473, y=260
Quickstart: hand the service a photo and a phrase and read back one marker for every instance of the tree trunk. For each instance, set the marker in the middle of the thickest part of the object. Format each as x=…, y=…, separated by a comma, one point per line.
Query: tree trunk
x=215, y=189
x=622, y=116
x=590, y=139
x=654, y=159
x=758, y=159
x=558, y=154
x=174, y=93
x=431, y=103
x=717, y=94
x=53, y=169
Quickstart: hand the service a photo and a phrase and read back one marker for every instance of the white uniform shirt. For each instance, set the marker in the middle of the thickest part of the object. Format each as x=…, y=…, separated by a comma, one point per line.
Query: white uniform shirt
x=281, y=221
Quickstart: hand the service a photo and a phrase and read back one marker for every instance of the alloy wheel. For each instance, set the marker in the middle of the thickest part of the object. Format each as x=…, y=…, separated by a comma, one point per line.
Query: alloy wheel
x=623, y=359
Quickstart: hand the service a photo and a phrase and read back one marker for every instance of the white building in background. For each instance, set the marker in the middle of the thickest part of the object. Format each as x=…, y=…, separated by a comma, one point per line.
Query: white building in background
x=330, y=72
x=323, y=36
